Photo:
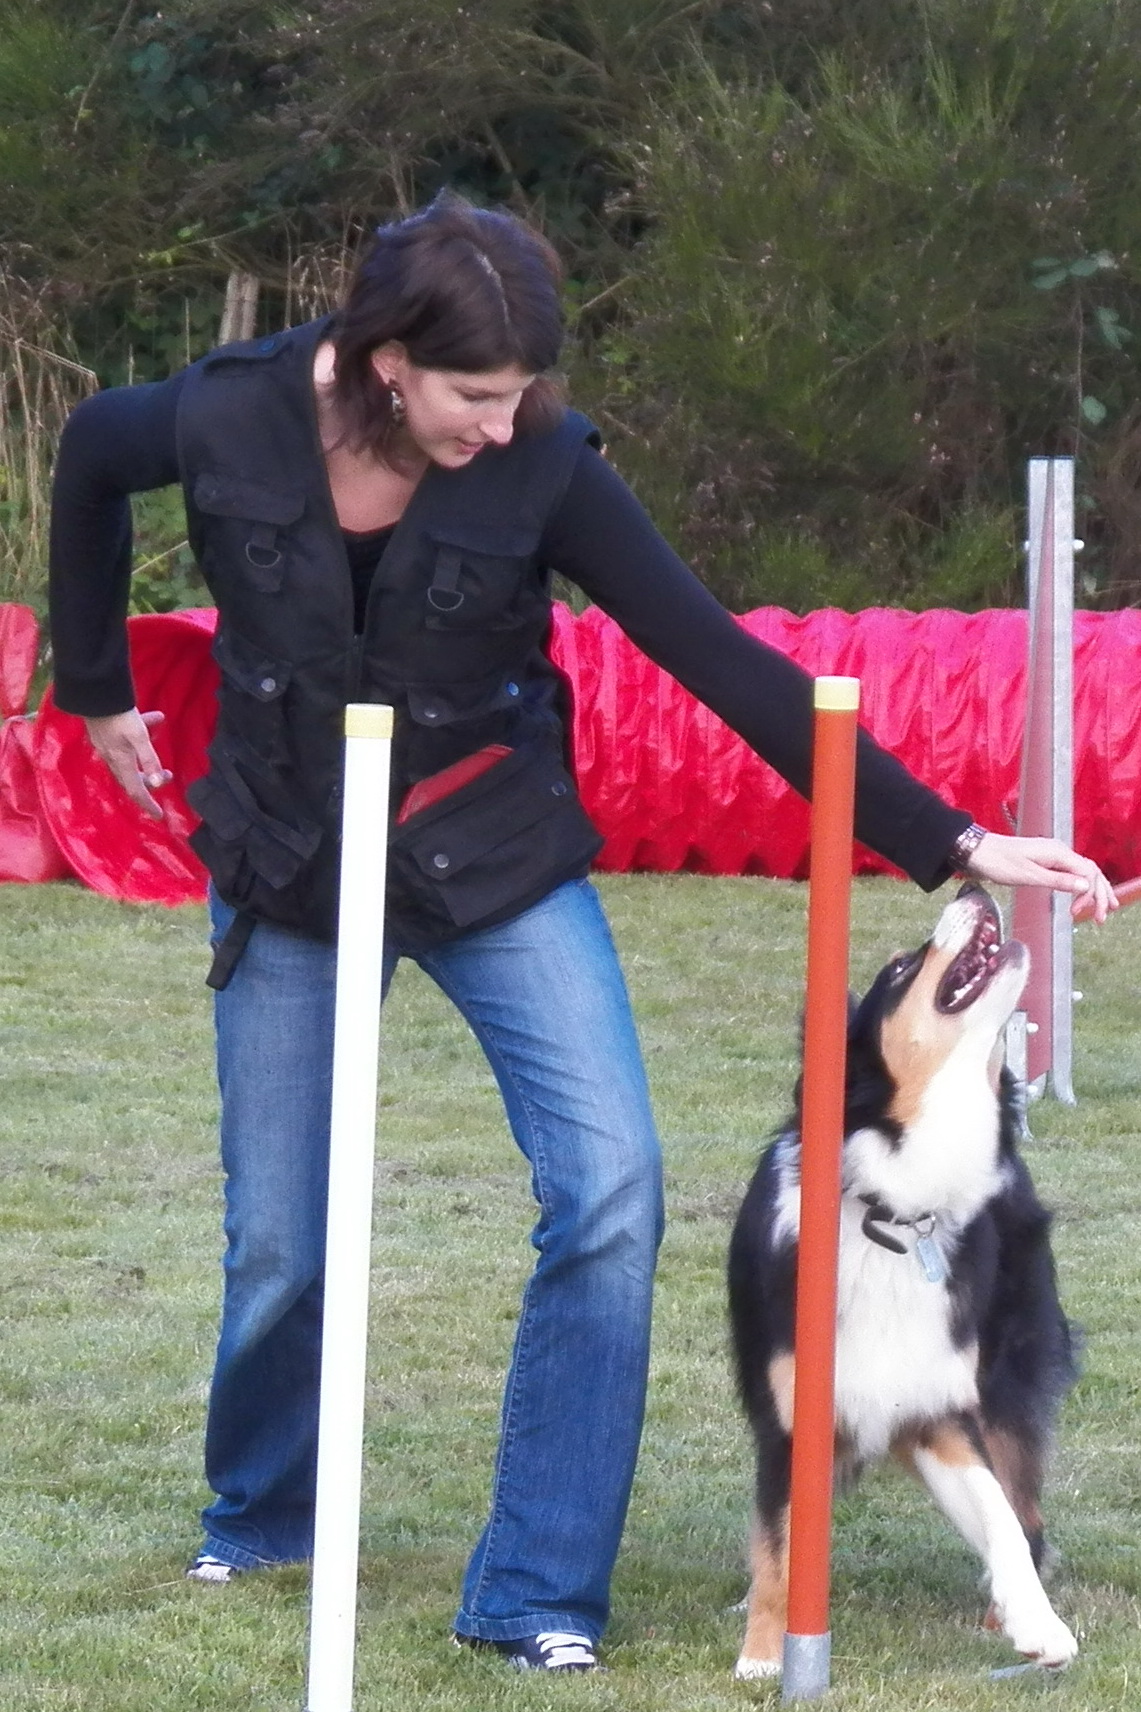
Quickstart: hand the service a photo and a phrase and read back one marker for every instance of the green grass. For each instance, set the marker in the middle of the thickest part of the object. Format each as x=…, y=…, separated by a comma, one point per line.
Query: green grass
x=109, y=1225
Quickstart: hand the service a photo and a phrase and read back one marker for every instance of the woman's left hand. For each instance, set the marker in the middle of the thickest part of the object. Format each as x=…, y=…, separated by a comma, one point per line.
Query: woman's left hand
x=1044, y=862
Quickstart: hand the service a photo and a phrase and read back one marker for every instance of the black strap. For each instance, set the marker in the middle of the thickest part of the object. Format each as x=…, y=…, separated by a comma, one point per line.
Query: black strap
x=445, y=593
x=877, y=1215
x=228, y=951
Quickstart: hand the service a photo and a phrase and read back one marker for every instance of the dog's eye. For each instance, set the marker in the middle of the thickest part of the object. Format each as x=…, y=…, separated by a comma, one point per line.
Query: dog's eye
x=901, y=964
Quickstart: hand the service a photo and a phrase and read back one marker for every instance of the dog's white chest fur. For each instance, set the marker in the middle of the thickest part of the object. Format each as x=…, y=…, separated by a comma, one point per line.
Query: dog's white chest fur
x=896, y=1360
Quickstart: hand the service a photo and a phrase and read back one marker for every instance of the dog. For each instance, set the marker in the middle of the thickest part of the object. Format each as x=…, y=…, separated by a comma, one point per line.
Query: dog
x=953, y=1353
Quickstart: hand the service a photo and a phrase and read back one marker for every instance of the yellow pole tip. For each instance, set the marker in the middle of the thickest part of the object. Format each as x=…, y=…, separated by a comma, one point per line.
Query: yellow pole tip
x=837, y=695
x=368, y=719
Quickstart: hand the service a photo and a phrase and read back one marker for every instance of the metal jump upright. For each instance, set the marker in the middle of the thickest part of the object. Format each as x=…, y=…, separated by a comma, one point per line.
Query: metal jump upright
x=1042, y=919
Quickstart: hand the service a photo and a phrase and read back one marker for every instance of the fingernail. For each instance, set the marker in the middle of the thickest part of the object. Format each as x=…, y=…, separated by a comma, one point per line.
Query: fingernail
x=154, y=780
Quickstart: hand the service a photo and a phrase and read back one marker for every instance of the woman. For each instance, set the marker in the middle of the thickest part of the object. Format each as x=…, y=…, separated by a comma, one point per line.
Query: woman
x=377, y=501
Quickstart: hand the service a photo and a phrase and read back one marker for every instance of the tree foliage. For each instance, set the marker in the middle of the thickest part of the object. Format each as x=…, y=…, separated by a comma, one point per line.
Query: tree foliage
x=871, y=287
x=836, y=266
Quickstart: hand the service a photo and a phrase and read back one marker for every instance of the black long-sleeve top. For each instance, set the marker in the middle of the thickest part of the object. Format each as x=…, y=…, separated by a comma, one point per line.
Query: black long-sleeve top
x=123, y=441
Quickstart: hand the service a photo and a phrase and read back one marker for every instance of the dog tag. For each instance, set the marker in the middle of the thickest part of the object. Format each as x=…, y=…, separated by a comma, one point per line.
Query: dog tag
x=927, y=1252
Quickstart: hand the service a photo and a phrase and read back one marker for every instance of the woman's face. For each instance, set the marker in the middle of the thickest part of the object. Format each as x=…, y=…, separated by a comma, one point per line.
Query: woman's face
x=450, y=415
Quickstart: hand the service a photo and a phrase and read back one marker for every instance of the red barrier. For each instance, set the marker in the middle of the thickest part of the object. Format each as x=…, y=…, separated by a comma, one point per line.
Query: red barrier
x=667, y=783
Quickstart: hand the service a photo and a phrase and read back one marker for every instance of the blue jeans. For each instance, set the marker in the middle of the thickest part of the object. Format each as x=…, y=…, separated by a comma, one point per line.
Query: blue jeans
x=546, y=999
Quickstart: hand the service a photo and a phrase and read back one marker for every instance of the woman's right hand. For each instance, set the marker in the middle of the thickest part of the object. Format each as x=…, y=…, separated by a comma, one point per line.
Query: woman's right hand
x=123, y=740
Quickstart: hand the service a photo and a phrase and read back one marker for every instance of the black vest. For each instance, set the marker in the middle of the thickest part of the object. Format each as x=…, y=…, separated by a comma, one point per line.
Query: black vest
x=453, y=639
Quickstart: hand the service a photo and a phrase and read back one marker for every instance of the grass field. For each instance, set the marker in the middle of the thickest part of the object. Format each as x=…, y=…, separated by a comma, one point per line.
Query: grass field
x=109, y=1225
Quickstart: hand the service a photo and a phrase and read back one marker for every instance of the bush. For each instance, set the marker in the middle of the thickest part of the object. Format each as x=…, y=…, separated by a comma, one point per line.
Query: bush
x=869, y=292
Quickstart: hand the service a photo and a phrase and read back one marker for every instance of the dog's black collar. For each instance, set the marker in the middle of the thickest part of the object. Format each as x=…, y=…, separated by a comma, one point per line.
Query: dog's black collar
x=879, y=1214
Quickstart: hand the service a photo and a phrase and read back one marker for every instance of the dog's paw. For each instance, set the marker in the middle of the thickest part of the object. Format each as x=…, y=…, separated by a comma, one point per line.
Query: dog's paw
x=1042, y=1637
x=755, y=1669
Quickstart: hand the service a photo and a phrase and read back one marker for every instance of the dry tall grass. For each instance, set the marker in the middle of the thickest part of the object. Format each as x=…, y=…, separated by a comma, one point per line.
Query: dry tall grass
x=41, y=381
x=39, y=386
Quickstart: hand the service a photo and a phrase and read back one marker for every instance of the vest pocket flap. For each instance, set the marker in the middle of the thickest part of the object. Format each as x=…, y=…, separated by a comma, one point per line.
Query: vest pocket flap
x=223, y=496
x=511, y=797
x=247, y=667
x=496, y=845
x=480, y=582
x=218, y=807
x=445, y=704
x=495, y=540
x=275, y=848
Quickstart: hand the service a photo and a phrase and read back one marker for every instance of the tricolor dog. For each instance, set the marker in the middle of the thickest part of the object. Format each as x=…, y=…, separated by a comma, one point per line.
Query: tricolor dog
x=953, y=1353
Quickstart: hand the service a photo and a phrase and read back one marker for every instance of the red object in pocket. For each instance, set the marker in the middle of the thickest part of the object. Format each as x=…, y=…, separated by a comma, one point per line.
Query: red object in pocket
x=436, y=786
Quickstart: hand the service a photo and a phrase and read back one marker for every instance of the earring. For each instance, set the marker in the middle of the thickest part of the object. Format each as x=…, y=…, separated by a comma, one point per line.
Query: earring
x=397, y=405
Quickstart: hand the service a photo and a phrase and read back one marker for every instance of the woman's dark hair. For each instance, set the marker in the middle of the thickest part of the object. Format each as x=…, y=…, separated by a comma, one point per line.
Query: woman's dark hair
x=462, y=288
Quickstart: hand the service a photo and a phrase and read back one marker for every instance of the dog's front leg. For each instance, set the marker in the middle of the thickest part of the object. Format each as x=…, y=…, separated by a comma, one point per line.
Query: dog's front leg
x=762, y=1652
x=966, y=1490
x=763, y=1647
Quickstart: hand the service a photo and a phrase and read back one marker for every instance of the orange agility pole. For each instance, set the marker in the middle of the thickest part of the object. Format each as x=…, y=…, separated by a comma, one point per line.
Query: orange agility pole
x=807, y=1642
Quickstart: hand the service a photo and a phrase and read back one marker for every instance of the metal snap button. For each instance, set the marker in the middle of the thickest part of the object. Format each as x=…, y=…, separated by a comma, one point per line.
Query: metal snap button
x=512, y=689
x=559, y=789
x=441, y=861
x=268, y=685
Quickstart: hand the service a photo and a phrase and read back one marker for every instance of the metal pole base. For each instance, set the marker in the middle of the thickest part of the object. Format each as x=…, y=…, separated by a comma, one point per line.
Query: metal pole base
x=807, y=1667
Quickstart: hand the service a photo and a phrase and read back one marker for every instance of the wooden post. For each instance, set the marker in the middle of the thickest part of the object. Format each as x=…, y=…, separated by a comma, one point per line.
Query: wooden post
x=239, y=314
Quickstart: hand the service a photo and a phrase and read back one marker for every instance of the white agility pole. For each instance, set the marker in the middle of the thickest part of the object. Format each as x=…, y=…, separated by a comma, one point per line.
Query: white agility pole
x=1042, y=919
x=352, y=1143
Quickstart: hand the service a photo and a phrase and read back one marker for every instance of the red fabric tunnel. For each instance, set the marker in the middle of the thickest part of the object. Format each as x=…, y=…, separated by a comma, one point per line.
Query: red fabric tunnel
x=28, y=852
x=667, y=783
x=109, y=843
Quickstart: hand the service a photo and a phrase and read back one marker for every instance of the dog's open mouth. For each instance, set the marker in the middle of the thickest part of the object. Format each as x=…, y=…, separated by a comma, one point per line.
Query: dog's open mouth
x=973, y=969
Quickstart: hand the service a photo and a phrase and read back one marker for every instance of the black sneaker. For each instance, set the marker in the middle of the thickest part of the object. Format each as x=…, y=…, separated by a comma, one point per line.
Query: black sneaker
x=548, y=1651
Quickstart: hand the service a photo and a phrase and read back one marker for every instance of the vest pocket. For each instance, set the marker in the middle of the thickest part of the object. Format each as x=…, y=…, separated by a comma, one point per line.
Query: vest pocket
x=475, y=589
x=437, y=705
x=251, y=523
x=496, y=845
x=242, y=842
x=255, y=684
